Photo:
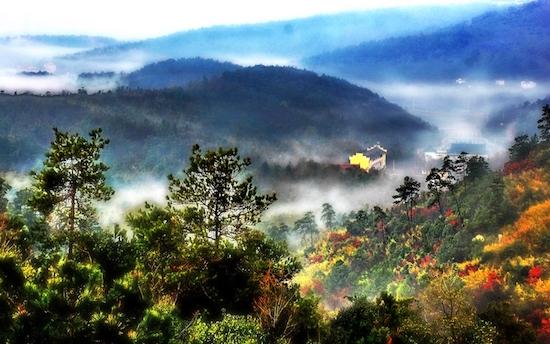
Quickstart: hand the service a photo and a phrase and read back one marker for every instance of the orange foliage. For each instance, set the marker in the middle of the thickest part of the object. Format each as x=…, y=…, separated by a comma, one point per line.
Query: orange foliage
x=527, y=187
x=275, y=305
x=529, y=228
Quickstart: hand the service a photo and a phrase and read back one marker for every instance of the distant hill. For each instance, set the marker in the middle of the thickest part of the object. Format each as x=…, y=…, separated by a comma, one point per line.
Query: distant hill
x=519, y=119
x=287, y=41
x=176, y=73
x=514, y=43
x=271, y=113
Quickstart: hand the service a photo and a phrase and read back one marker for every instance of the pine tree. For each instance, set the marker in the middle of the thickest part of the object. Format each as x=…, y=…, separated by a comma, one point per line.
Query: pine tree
x=544, y=124
x=436, y=187
x=407, y=194
x=214, y=190
x=307, y=227
x=380, y=217
x=328, y=215
x=72, y=177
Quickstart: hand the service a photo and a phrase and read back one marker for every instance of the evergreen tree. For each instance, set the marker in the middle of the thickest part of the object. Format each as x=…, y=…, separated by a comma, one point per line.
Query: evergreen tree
x=4, y=188
x=380, y=217
x=307, y=227
x=407, y=194
x=279, y=232
x=544, y=124
x=451, y=171
x=223, y=202
x=476, y=167
x=328, y=215
x=523, y=145
x=436, y=187
x=72, y=177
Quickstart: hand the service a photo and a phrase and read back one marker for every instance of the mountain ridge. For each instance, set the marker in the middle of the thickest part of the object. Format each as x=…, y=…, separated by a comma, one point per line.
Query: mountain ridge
x=493, y=45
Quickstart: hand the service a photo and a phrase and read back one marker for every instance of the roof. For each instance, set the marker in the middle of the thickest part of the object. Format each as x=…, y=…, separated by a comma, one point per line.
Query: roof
x=375, y=151
x=470, y=148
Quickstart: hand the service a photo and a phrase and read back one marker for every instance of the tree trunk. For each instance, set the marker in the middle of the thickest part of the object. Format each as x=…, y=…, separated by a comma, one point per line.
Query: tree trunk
x=72, y=218
x=457, y=207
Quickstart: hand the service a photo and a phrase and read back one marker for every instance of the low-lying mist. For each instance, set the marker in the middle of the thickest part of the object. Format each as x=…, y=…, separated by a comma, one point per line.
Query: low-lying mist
x=461, y=108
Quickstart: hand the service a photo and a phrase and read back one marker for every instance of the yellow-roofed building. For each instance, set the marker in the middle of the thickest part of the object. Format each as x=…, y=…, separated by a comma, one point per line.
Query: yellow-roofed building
x=374, y=157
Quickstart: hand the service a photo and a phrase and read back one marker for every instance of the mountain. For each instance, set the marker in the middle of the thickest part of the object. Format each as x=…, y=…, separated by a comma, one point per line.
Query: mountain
x=269, y=112
x=513, y=43
x=286, y=41
x=176, y=73
x=518, y=119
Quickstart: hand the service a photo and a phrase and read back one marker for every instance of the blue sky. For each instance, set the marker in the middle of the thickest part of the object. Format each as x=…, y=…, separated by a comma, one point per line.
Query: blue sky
x=135, y=19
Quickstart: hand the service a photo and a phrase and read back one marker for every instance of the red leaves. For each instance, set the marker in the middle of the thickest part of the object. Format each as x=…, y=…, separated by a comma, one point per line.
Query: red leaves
x=317, y=258
x=337, y=237
x=544, y=329
x=451, y=218
x=428, y=212
x=468, y=269
x=514, y=167
x=493, y=281
x=426, y=261
x=535, y=274
x=356, y=242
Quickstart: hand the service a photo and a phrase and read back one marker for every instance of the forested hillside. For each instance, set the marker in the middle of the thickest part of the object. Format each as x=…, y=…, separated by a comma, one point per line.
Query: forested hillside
x=470, y=246
x=463, y=260
x=521, y=118
x=510, y=44
x=261, y=108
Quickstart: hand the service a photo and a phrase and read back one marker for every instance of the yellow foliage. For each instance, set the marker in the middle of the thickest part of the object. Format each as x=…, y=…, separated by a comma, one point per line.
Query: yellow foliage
x=522, y=262
x=542, y=287
x=476, y=280
x=523, y=293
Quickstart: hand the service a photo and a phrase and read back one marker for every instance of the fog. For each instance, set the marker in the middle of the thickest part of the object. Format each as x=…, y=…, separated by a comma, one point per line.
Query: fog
x=460, y=108
x=131, y=196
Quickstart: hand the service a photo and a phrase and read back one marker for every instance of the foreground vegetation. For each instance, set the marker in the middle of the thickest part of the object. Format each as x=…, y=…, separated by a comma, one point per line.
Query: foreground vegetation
x=463, y=260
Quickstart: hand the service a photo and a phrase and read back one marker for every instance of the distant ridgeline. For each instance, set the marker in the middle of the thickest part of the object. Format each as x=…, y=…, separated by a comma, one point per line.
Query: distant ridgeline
x=265, y=111
x=511, y=43
x=35, y=73
x=521, y=118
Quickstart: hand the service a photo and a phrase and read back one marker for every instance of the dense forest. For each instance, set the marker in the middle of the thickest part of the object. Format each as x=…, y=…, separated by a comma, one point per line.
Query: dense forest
x=463, y=258
x=269, y=111
x=508, y=44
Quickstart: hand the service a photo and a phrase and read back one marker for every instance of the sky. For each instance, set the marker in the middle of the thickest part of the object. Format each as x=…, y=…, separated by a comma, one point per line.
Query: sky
x=135, y=19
